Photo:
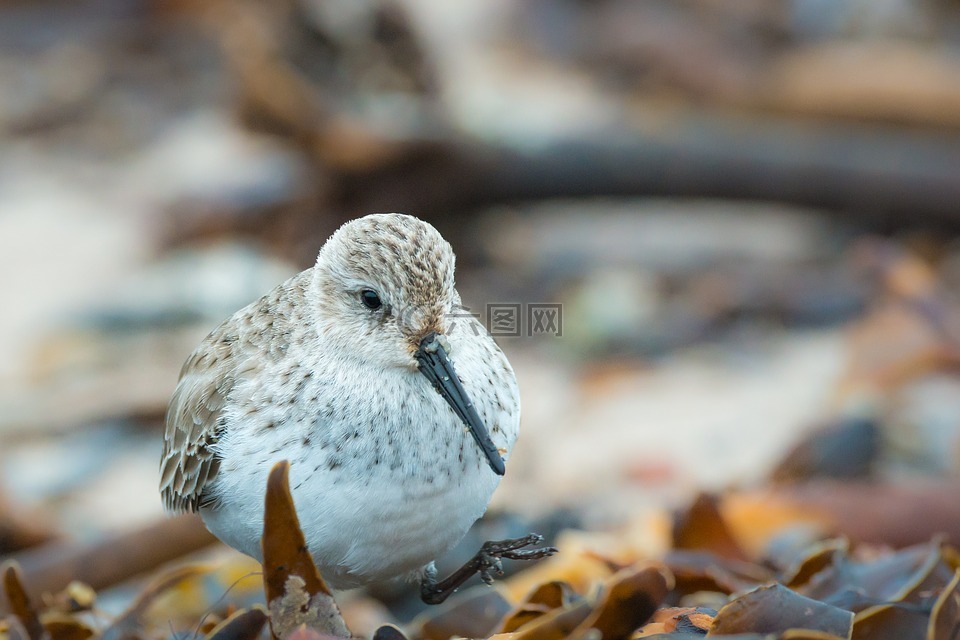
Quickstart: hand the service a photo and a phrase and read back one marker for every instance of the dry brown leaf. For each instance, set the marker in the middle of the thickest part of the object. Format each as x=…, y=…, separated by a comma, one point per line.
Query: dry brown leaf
x=889, y=622
x=775, y=609
x=20, y=604
x=907, y=575
x=702, y=527
x=579, y=568
x=475, y=613
x=242, y=625
x=932, y=578
x=556, y=625
x=653, y=630
x=697, y=621
x=284, y=547
x=677, y=619
x=63, y=627
x=631, y=596
x=695, y=571
x=296, y=592
x=555, y=594
x=522, y=617
x=817, y=558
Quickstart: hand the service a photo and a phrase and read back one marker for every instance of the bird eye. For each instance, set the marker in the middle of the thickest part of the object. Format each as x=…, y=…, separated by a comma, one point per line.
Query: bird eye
x=371, y=300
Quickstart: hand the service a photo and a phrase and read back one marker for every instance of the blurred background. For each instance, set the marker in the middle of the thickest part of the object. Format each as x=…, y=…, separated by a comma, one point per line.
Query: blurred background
x=743, y=214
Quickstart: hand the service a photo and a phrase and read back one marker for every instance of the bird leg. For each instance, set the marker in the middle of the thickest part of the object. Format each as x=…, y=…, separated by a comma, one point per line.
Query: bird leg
x=486, y=563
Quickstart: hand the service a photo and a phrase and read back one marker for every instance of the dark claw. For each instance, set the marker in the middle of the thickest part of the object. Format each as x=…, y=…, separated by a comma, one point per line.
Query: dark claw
x=486, y=577
x=500, y=546
x=486, y=562
x=530, y=554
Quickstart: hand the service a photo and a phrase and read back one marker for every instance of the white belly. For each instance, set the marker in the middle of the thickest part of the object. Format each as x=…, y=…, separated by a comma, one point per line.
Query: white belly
x=360, y=529
x=385, y=479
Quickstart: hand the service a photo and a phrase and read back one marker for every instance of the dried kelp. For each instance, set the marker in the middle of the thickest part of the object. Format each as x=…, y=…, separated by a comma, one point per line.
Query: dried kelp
x=297, y=594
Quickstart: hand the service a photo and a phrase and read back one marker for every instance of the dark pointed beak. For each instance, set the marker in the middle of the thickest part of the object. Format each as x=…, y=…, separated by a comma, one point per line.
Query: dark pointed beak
x=433, y=362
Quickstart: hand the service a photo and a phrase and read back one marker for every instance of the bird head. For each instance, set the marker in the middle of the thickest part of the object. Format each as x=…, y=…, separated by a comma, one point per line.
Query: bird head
x=386, y=284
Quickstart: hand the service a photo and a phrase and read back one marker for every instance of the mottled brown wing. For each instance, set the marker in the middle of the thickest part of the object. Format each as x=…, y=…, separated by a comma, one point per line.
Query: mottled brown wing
x=234, y=351
x=193, y=421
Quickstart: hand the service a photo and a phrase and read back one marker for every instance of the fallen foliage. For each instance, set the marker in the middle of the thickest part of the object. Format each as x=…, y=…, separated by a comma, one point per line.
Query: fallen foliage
x=300, y=602
x=707, y=585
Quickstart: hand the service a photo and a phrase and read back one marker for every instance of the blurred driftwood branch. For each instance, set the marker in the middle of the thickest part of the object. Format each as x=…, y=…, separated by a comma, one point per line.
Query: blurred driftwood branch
x=883, y=175
x=49, y=568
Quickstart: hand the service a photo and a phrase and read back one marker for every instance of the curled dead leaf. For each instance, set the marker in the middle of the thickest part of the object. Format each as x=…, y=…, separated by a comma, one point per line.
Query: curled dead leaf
x=475, y=613
x=776, y=609
x=296, y=593
x=555, y=594
x=702, y=527
x=555, y=625
x=908, y=575
x=889, y=622
x=816, y=558
x=631, y=596
x=678, y=620
x=695, y=571
x=699, y=620
x=20, y=605
x=242, y=625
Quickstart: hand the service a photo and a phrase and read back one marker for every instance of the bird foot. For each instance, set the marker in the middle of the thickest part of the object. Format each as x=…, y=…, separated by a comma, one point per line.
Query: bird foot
x=487, y=562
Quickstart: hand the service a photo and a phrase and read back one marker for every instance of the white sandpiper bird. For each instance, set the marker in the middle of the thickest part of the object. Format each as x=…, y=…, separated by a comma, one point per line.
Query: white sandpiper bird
x=396, y=411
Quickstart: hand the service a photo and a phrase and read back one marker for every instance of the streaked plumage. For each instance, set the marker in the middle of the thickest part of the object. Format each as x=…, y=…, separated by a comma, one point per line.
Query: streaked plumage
x=384, y=474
